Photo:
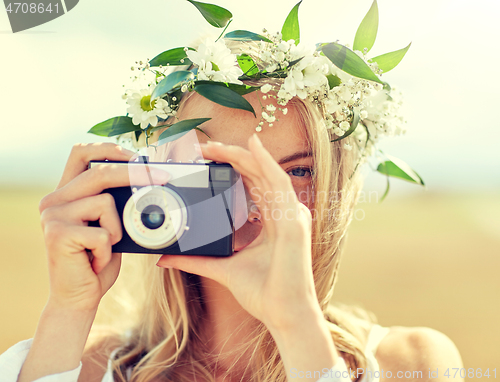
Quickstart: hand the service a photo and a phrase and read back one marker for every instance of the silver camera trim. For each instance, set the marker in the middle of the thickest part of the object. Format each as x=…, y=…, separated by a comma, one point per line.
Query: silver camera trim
x=175, y=222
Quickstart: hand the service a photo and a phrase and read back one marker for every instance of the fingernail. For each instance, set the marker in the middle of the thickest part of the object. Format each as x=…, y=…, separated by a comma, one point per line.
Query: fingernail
x=214, y=143
x=163, y=266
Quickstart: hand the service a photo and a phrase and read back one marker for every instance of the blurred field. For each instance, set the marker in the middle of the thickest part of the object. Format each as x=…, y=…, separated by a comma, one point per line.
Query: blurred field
x=428, y=260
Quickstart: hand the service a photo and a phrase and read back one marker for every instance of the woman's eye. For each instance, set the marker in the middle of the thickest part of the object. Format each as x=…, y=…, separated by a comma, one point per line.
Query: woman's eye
x=300, y=172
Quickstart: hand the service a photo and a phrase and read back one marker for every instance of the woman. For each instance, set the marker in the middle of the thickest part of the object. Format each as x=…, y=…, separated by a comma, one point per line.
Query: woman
x=269, y=280
x=262, y=314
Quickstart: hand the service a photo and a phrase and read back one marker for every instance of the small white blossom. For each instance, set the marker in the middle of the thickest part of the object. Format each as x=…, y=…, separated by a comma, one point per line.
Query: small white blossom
x=338, y=131
x=266, y=88
x=344, y=125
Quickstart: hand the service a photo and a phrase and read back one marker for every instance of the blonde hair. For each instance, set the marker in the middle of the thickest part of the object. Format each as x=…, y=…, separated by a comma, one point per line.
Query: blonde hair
x=165, y=341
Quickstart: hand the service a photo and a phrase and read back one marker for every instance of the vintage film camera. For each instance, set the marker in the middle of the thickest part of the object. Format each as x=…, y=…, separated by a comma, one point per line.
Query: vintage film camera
x=193, y=214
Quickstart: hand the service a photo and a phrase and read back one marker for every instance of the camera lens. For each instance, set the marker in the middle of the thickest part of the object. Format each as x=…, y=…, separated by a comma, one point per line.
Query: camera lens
x=153, y=217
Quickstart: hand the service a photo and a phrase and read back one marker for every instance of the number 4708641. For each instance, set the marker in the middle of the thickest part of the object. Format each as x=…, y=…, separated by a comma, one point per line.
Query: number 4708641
x=469, y=373
x=31, y=8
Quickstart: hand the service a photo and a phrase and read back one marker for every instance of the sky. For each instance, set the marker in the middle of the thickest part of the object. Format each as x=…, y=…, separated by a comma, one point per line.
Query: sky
x=59, y=79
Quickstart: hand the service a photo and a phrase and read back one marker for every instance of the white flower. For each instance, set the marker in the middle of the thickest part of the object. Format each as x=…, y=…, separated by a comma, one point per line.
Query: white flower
x=280, y=56
x=266, y=88
x=144, y=111
x=344, y=125
x=307, y=76
x=271, y=68
x=345, y=93
x=271, y=107
x=347, y=146
x=294, y=84
x=338, y=131
x=215, y=62
x=283, y=46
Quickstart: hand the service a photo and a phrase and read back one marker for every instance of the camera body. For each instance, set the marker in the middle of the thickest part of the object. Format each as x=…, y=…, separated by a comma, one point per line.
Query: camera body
x=193, y=214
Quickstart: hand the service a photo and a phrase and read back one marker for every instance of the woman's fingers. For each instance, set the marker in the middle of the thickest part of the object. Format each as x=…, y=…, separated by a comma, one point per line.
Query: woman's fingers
x=211, y=267
x=271, y=170
x=284, y=205
x=272, y=192
x=100, y=177
x=98, y=207
x=110, y=271
x=82, y=154
x=242, y=160
x=73, y=241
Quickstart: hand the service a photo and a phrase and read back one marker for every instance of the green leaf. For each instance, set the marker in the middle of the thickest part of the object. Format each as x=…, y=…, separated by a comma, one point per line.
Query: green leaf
x=264, y=74
x=387, y=188
x=172, y=81
x=354, y=124
x=114, y=126
x=292, y=63
x=247, y=65
x=397, y=168
x=390, y=60
x=367, y=30
x=291, y=28
x=348, y=61
x=215, y=15
x=224, y=96
x=223, y=31
x=241, y=35
x=333, y=81
x=181, y=128
x=240, y=89
x=171, y=57
x=137, y=135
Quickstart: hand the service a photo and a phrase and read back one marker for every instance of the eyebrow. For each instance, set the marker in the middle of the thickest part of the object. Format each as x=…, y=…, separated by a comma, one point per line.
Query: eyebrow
x=292, y=157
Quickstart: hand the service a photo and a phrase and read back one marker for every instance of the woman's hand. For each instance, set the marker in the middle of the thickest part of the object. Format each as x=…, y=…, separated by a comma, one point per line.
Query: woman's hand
x=272, y=277
x=75, y=282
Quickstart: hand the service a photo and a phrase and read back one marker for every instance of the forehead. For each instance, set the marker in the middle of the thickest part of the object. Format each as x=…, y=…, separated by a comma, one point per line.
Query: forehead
x=234, y=127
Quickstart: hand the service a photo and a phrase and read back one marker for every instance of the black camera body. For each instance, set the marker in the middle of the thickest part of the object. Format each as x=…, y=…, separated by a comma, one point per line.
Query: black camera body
x=193, y=214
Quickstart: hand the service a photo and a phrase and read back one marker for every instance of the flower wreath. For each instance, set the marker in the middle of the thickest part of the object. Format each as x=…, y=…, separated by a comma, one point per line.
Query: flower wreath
x=344, y=84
